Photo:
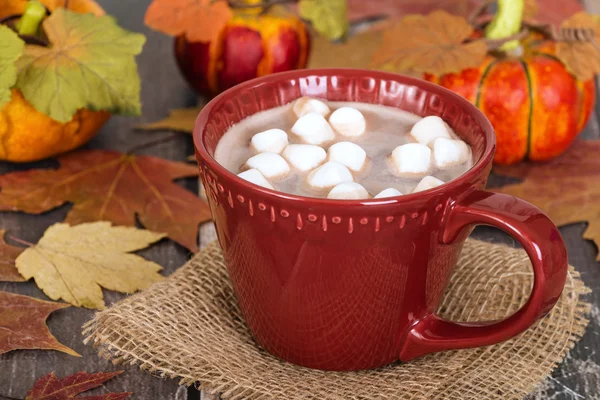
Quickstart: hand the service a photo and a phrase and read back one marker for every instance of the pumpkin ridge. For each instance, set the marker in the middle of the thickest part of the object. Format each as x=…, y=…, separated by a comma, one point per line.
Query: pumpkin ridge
x=530, y=118
x=482, y=81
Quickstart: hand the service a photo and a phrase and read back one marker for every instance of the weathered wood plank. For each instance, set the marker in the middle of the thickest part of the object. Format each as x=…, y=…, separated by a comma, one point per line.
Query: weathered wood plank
x=162, y=88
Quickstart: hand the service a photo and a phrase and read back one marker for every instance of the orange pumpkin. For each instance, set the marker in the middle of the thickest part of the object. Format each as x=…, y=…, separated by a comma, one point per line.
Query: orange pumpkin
x=29, y=135
x=535, y=105
x=250, y=45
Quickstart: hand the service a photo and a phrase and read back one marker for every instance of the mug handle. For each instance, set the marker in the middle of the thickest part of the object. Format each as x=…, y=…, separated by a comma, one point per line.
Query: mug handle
x=545, y=247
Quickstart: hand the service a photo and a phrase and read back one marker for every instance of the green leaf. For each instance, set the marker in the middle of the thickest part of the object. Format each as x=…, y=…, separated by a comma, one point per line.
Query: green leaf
x=329, y=17
x=90, y=63
x=11, y=48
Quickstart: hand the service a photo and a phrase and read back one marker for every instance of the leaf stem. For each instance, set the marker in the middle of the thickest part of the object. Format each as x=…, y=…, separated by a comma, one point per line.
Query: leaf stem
x=506, y=22
x=262, y=4
x=495, y=44
x=479, y=10
x=153, y=143
x=32, y=18
x=25, y=242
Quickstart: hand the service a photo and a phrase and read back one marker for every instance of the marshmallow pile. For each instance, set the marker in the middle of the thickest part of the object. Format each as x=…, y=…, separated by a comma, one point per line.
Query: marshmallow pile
x=435, y=148
x=323, y=153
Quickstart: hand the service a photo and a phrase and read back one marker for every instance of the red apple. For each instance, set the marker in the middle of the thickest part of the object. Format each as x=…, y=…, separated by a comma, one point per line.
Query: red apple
x=249, y=46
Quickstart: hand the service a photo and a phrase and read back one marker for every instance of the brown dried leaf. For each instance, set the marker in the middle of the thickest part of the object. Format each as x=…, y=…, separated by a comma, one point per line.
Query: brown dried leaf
x=582, y=59
x=432, y=44
x=356, y=52
x=51, y=388
x=179, y=119
x=8, y=255
x=198, y=20
x=566, y=188
x=530, y=9
x=112, y=186
x=23, y=324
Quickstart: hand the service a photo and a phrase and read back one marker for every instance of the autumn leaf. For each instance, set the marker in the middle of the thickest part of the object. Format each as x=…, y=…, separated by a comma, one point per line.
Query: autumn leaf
x=432, y=44
x=23, y=324
x=355, y=52
x=198, y=20
x=360, y=10
x=566, y=188
x=179, y=119
x=73, y=263
x=112, y=186
x=90, y=63
x=329, y=18
x=11, y=48
x=530, y=9
x=582, y=58
x=8, y=255
x=51, y=388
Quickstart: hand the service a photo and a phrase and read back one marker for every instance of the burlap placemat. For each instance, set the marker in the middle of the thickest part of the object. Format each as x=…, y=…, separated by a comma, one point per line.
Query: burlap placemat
x=189, y=327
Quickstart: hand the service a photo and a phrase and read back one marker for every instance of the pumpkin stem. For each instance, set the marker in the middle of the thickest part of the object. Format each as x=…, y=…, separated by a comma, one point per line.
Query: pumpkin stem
x=506, y=22
x=33, y=16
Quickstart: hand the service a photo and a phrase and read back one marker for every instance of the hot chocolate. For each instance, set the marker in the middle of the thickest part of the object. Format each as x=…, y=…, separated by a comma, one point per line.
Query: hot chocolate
x=343, y=150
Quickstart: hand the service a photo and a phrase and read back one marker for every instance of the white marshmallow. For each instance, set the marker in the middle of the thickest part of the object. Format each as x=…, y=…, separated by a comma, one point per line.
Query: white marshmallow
x=272, y=141
x=348, y=121
x=430, y=128
x=271, y=165
x=305, y=105
x=313, y=129
x=254, y=176
x=449, y=152
x=304, y=157
x=412, y=159
x=429, y=182
x=349, y=154
x=389, y=192
x=348, y=191
x=329, y=174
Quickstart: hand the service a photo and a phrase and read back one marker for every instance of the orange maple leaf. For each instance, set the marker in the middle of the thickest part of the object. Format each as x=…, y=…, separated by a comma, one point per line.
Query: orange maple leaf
x=198, y=20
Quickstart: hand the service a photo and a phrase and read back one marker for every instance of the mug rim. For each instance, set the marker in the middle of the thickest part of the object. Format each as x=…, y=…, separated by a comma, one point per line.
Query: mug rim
x=485, y=159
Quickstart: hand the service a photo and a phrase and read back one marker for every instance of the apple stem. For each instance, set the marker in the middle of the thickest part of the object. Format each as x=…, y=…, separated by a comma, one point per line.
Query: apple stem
x=506, y=23
x=33, y=16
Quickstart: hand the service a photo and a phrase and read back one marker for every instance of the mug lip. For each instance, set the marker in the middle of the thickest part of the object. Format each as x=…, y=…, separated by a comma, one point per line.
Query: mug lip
x=469, y=176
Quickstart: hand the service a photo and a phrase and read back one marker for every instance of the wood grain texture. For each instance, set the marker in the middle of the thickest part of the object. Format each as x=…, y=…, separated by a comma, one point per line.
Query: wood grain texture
x=162, y=89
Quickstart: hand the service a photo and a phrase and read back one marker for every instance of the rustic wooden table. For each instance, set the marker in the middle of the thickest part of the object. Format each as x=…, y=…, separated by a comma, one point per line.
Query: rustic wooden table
x=578, y=377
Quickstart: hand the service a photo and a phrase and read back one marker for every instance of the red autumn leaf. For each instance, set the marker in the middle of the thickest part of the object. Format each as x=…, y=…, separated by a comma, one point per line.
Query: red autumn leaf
x=198, y=20
x=51, y=388
x=23, y=324
x=112, y=186
x=566, y=188
x=8, y=255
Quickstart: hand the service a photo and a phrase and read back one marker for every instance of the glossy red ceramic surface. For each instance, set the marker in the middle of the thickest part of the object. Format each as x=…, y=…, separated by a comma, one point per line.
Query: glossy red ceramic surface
x=347, y=285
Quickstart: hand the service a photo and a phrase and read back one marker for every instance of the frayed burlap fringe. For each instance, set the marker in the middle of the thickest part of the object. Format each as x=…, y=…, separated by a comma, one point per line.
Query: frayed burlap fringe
x=189, y=327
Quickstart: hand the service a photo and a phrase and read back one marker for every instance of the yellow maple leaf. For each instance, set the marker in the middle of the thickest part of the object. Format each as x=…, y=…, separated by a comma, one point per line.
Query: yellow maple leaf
x=73, y=263
x=433, y=43
x=179, y=120
x=582, y=58
x=329, y=18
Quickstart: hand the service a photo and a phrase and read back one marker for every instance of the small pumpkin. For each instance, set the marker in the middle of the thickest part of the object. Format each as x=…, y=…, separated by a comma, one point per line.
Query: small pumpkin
x=536, y=106
x=250, y=45
x=29, y=135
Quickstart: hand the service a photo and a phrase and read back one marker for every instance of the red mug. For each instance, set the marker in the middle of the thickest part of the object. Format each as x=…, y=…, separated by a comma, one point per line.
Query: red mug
x=355, y=284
